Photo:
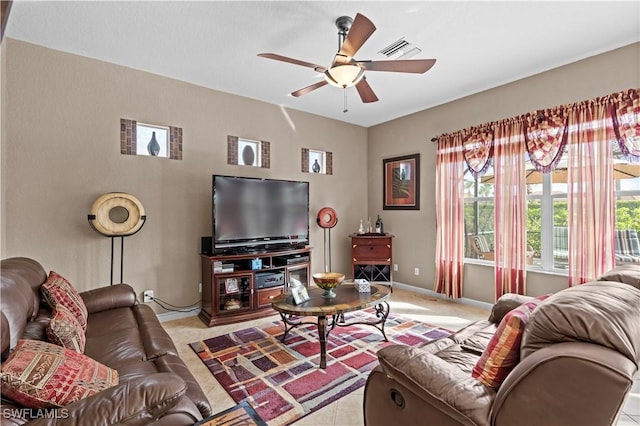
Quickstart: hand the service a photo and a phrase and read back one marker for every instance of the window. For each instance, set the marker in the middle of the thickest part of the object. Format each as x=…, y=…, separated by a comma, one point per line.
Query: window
x=547, y=221
x=626, y=177
x=578, y=234
x=478, y=215
x=547, y=214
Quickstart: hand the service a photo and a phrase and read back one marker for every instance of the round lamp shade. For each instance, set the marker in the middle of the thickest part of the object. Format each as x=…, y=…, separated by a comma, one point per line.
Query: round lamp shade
x=117, y=214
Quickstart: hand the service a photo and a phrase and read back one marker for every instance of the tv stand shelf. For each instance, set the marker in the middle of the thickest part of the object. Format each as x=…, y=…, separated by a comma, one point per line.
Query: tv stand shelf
x=234, y=289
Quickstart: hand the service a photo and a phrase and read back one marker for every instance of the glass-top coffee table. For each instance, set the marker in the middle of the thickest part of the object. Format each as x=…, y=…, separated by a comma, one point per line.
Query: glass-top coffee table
x=347, y=299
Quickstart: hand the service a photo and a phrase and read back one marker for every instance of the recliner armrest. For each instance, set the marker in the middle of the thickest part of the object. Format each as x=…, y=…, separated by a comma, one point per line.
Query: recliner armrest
x=427, y=374
x=138, y=401
x=111, y=297
x=572, y=383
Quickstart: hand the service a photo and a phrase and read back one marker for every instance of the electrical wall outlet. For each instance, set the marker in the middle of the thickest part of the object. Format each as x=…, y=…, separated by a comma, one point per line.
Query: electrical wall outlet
x=199, y=287
x=395, y=267
x=416, y=271
x=147, y=296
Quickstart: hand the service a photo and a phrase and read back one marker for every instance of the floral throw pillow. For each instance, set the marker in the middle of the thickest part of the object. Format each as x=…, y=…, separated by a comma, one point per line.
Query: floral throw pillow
x=502, y=353
x=58, y=291
x=65, y=330
x=42, y=375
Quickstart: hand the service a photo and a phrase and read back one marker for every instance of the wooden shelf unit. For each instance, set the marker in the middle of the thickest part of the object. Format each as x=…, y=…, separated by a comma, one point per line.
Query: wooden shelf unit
x=372, y=258
x=234, y=296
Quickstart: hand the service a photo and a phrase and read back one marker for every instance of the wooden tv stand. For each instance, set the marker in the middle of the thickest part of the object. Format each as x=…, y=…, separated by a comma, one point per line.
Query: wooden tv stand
x=239, y=292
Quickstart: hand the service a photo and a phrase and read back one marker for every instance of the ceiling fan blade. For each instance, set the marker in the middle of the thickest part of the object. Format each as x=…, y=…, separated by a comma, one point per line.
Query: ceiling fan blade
x=274, y=56
x=417, y=66
x=360, y=31
x=366, y=92
x=308, y=89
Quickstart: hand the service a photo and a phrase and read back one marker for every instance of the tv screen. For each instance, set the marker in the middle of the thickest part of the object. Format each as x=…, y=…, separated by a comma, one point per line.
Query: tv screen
x=252, y=213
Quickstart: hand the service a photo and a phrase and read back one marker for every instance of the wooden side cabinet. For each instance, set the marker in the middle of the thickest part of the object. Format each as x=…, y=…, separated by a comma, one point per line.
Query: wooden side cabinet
x=372, y=257
x=240, y=287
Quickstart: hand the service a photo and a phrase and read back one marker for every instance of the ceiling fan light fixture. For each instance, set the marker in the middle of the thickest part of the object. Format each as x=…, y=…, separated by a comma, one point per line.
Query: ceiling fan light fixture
x=343, y=76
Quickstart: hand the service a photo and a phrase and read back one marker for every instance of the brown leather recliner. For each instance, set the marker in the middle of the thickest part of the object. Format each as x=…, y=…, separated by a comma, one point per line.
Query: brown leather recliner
x=155, y=386
x=579, y=354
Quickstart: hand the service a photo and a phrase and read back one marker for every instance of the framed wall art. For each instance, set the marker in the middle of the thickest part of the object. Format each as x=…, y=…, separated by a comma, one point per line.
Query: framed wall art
x=401, y=186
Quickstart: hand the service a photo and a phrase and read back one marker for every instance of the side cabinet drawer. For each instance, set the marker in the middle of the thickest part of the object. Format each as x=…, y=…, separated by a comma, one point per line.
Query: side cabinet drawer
x=264, y=296
x=371, y=241
x=371, y=252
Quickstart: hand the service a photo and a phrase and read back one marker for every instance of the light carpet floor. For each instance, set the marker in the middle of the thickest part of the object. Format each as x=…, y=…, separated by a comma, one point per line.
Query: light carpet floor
x=346, y=411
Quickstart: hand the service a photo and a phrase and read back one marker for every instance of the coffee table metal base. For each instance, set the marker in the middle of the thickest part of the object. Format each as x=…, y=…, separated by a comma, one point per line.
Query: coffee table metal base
x=292, y=321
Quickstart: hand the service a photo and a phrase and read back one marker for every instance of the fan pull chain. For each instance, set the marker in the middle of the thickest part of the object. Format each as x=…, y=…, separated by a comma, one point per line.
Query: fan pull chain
x=345, y=110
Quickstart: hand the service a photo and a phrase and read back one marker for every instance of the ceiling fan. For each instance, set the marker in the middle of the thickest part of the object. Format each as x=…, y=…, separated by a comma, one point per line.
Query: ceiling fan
x=345, y=71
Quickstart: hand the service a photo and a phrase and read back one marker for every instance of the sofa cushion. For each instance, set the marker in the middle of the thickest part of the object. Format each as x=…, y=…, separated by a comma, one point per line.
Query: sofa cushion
x=115, y=328
x=475, y=337
x=58, y=291
x=627, y=274
x=506, y=303
x=42, y=375
x=600, y=312
x=502, y=353
x=112, y=297
x=65, y=330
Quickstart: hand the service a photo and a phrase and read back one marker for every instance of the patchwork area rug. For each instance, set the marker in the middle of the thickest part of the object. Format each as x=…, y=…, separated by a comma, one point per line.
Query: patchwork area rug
x=283, y=382
x=240, y=415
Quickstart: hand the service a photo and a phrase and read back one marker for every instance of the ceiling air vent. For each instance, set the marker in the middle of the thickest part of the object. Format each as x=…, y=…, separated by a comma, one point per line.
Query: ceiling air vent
x=400, y=49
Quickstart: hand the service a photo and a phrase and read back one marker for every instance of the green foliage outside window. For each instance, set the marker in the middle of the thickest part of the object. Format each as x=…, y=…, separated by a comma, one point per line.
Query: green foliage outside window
x=627, y=217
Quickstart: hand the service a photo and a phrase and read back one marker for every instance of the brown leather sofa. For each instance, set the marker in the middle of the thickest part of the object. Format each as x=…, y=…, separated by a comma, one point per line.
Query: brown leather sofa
x=579, y=353
x=155, y=386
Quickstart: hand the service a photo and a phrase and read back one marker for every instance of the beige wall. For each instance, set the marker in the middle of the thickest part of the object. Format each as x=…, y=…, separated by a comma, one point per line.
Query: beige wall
x=415, y=230
x=3, y=73
x=62, y=151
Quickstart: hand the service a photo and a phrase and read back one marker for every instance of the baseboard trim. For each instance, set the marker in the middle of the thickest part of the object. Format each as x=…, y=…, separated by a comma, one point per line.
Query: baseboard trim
x=174, y=315
x=431, y=293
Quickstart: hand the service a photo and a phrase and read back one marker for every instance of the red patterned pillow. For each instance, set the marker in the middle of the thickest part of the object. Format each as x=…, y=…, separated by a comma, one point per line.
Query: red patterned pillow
x=65, y=330
x=42, y=375
x=502, y=353
x=58, y=291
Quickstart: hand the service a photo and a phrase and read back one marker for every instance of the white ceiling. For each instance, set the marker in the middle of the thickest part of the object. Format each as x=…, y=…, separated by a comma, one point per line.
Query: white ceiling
x=478, y=45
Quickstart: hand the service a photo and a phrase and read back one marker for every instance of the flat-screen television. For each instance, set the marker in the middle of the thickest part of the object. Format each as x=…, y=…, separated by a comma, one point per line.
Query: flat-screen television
x=251, y=214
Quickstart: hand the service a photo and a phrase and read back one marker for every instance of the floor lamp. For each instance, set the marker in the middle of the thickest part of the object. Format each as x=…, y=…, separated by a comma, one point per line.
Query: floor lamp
x=326, y=219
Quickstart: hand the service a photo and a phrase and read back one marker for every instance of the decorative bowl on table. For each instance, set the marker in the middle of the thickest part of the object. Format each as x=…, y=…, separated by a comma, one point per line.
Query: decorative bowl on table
x=328, y=281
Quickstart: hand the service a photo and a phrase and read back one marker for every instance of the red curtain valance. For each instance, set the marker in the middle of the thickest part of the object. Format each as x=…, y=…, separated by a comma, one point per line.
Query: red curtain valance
x=546, y=132
x=626, y=123
x=478, y=150
x=545, y=138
